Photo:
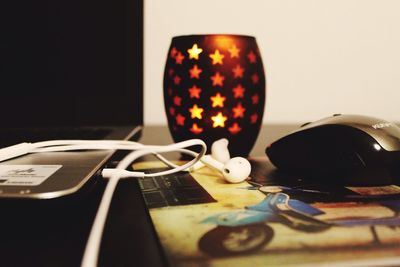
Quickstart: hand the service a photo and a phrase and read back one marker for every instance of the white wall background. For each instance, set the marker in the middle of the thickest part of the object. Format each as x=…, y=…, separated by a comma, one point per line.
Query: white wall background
x=321, y=56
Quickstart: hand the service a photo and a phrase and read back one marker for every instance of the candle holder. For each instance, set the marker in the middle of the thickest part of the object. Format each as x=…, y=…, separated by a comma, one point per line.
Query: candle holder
x=214, y=87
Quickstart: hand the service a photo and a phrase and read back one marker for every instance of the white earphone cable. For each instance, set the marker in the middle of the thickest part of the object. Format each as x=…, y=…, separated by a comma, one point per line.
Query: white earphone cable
x=234, y=170
x=90, y=257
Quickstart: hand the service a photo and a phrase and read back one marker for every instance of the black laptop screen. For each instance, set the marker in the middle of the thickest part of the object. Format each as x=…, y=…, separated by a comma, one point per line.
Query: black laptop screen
x=72, y=62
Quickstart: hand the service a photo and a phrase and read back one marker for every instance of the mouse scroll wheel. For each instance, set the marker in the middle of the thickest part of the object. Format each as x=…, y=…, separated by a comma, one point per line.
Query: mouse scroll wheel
x=307, y=123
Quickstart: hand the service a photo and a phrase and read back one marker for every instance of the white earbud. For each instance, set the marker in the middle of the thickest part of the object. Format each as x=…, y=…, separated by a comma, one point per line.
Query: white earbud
x=219, y=150
x=235, y=170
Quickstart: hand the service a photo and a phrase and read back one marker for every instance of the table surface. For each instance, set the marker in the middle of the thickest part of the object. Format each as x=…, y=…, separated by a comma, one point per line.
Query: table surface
x=55, y=233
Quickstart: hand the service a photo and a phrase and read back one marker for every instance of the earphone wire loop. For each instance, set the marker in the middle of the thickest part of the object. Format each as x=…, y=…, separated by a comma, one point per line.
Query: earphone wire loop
x=92, y=248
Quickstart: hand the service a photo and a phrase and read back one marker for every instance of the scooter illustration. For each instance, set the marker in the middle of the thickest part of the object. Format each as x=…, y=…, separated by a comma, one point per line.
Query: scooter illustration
x=248, y=230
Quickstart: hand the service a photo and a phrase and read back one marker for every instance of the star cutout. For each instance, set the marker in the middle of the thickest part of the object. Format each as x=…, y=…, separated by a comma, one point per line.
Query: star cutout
x=179, y=58
x=195, y=72
x=255, y=78
x=234, y=51
x=255, y=99
x=234, y=129
x=218, y=100
x=194, y=92
x=252, y=57
x=217, y=79
x=238, y=111
x=177, y=80
x=172, y=111
x=238, y=71
x=177, y=100
x=196, y=129
x=170, y=91
x=173, y=52
x=171, y=72
x=217, y=57
x=238, y=91
x=253, y=118
x=196, y=112
x=180, y=120
x=194, y=52
x=219, y=120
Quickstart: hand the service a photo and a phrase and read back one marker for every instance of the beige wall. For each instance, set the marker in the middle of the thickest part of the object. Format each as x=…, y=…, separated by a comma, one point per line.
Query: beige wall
x=321, y=56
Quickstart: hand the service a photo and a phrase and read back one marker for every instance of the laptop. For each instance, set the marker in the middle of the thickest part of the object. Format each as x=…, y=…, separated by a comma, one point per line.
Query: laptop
x=70, y=69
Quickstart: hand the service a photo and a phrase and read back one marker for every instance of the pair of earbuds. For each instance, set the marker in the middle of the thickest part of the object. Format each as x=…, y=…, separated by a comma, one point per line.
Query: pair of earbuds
x=234, y=170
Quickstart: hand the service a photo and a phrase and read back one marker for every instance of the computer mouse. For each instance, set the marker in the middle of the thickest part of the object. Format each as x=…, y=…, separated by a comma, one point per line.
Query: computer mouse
x=343, y=149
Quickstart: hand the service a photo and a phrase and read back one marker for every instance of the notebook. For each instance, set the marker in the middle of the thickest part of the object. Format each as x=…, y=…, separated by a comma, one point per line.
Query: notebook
x=70, y=70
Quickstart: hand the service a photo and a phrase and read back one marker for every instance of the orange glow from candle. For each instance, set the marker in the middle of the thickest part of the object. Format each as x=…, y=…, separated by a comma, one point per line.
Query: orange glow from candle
x=217, y=79
x=255, y=78
x=172, y=111
x=238, y=71
x=194, y=92
x=255, y=98
x=180, y=120
x=195, y=72
x=234, y=129
x=223, y=41
x=179, y=58
x=196, y=129
x=194, y=52
x=253, y=118
x=219, y=120
x=238, y=91
x=252, y=57
x=177, y=80
x=238, y=111
x=234, y=51
x=177, y=100
x=217, y=57
x=217, y=100
x=173, y=52
x=196, y=112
